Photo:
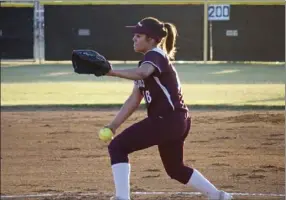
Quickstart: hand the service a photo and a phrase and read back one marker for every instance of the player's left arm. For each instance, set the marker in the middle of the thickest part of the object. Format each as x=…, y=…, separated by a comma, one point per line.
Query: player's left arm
x=142, y=72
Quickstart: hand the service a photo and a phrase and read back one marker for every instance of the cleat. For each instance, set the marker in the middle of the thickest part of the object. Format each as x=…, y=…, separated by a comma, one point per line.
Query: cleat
x=223, y=196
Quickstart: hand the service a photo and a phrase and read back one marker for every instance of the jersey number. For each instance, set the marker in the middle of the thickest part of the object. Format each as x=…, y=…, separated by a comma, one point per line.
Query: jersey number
x=147, y=96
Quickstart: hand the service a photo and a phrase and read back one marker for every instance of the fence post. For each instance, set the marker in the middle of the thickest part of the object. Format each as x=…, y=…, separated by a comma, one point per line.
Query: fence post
x=205, y=31
x=37, y=31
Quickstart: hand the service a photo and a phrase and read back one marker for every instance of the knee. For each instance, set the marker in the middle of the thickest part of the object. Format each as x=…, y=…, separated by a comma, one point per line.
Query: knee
x=180, y=173
x=114, y=147
x=173, y=172
x=117, y=153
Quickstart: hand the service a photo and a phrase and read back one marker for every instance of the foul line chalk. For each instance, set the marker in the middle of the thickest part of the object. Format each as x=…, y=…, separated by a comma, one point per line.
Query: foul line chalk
x=136, y=193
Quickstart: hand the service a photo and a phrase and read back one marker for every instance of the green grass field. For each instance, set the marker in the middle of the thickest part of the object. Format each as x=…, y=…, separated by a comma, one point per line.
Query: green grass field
x=213, y=85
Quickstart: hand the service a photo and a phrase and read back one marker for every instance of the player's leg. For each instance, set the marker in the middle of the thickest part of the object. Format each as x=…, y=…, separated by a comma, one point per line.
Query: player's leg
x=172, y=157
x=141, y=135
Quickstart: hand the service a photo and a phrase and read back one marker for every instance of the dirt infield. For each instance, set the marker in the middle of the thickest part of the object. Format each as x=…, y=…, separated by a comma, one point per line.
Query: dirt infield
x=59, y=151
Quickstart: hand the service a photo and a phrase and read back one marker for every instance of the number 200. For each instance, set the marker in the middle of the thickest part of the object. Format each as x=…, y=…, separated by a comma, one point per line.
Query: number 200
x=218, y=11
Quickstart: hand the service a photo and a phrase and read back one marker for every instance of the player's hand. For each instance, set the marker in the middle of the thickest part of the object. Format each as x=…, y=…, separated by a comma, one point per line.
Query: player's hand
x=110, y=73
x=111, y=127
x=90, y=62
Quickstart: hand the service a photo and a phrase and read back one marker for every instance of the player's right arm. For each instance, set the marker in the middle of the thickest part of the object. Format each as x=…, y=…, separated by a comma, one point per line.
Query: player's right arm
x=130, y=105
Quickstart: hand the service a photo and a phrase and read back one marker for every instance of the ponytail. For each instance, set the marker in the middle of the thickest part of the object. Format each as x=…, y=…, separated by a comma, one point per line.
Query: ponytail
x=170, y=41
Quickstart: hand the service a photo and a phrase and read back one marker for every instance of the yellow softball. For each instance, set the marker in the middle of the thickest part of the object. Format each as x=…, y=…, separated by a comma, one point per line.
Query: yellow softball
x=105, y=134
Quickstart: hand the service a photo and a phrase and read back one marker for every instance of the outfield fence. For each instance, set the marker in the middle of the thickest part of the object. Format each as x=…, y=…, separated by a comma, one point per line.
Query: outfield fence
x=208, y=30
x=16, y=32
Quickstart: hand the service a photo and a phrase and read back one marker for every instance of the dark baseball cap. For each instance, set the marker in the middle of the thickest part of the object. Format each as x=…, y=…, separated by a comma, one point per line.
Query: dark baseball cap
x=149, y=28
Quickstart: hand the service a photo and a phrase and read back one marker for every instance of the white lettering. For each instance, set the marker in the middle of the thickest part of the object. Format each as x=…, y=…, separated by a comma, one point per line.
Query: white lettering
x=147, y=96
x=140, y=83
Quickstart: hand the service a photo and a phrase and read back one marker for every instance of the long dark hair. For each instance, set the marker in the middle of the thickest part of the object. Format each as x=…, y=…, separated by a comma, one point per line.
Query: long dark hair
x=169, y=43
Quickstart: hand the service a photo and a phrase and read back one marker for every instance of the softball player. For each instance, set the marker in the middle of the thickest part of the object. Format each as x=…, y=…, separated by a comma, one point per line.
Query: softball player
x=168, y=122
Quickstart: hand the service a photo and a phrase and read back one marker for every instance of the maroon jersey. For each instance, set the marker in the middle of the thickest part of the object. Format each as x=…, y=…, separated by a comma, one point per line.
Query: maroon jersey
x=162, y=89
